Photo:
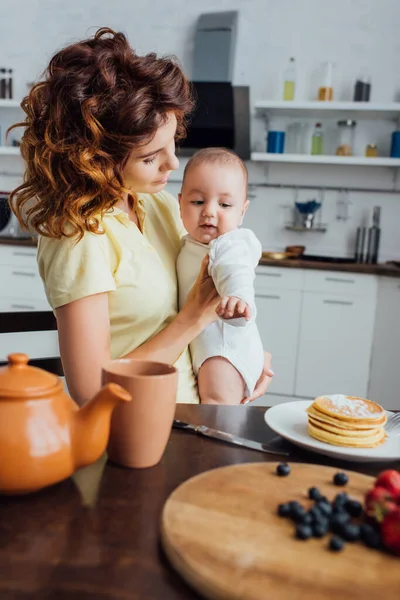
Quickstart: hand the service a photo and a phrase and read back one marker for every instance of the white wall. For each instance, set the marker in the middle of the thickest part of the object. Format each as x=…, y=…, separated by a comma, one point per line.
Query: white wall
x=356, y=34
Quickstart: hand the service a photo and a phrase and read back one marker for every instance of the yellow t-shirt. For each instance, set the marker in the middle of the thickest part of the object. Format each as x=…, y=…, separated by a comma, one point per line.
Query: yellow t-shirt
x=136, y=269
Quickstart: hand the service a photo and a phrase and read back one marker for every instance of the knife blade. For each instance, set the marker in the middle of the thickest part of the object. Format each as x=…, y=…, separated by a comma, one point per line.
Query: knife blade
x=230, y=438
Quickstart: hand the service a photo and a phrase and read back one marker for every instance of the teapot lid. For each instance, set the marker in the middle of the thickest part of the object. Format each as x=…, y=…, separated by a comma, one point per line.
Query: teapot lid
x=19, y=380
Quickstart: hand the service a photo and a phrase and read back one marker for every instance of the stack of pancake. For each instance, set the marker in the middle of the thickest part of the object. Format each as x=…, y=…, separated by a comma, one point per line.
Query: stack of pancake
x=347, y=421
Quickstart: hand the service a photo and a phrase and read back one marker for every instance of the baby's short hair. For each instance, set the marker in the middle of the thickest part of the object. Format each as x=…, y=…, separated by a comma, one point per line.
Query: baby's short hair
x=220, y=156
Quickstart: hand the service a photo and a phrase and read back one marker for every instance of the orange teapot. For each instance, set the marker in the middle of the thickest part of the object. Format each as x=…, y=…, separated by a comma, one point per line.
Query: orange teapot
x=44, y=435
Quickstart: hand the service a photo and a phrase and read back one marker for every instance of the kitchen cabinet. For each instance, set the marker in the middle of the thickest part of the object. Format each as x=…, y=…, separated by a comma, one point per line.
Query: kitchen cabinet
x=384, y=384
x=23, y=289
x=278, y=317
x=334, y=345
x=318, y=325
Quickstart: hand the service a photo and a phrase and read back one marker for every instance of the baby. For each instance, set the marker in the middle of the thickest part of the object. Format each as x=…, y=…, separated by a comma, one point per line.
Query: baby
x=228, y=355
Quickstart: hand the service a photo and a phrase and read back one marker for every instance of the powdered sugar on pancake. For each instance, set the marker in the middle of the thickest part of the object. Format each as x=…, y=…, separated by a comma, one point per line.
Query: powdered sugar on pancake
x=351, y=407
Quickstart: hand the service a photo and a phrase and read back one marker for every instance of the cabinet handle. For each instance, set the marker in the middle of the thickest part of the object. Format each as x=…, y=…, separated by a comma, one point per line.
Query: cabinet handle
x=270, y=296
x=341, y=302
x=339, y=280
x=24, y=273
x=272, y=274
x=23, y=306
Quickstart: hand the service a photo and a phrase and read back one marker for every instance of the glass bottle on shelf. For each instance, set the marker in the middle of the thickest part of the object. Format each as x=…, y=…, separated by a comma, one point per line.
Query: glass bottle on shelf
x=289, y=80
x=346, y=131
x=325, y=92
x=317, y=140
x=362, y=89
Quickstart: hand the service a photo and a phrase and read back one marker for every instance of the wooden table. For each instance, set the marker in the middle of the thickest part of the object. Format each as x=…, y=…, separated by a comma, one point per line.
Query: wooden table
x=96, y=536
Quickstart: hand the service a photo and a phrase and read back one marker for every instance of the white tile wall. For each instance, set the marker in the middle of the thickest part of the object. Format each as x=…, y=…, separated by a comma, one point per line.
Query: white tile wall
x=356, y=35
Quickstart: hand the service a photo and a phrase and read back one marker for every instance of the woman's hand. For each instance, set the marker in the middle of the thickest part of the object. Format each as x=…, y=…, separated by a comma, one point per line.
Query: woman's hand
x=264, y=381
x=203, y=298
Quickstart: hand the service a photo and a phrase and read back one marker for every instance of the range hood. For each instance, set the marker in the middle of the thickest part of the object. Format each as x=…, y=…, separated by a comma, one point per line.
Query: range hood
x=222, y=115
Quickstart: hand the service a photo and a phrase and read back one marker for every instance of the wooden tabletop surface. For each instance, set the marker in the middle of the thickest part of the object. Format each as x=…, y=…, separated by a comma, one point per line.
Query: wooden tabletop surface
x=96, y=536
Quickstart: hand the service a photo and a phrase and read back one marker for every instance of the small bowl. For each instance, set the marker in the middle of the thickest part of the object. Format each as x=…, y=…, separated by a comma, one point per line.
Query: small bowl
x=278, y=255
x=296, y=250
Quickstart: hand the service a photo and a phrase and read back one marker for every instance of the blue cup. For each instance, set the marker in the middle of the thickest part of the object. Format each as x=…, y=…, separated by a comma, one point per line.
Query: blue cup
x=395, y=149
x=276, y=142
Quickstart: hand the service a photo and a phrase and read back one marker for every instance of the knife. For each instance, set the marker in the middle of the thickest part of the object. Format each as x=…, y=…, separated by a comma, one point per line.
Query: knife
x=226, y=437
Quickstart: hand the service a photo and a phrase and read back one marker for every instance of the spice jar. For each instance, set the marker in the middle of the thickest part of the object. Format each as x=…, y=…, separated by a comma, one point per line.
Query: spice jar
x=371, y=150
x=346, y=137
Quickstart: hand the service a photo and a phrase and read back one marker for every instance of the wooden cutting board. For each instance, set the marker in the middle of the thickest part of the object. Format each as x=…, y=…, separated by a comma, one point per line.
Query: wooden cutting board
x=221, y=532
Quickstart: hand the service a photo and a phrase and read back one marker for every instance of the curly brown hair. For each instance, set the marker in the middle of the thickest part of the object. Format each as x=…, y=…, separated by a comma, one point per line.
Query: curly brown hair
x=98, y=101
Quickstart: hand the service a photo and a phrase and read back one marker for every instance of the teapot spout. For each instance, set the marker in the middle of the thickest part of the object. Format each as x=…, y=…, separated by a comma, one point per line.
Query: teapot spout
x=91, y=424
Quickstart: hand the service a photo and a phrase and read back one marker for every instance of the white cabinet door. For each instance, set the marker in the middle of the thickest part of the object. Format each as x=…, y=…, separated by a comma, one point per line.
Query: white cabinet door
x=335, y=344
x=278, y=316
x=385, y=371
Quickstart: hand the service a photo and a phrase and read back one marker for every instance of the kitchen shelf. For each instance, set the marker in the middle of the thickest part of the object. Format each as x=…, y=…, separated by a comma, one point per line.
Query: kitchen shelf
x=361, y=110
x=10, y=103
x=360, y=161
x=9, y=151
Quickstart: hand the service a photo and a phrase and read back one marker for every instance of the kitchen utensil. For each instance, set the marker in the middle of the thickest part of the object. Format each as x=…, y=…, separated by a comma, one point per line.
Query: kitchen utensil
x=221, y=532
x=138, y=436
x=306, y=212
x=393, y=424
x=297, y=250
x=374, y=234
x=44, y=438
x=360, y=243
x=290, y=421
x=223, y=436
x=278, y=255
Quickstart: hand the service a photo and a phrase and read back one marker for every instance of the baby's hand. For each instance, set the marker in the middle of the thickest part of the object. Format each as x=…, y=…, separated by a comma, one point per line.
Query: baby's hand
x=230, y=307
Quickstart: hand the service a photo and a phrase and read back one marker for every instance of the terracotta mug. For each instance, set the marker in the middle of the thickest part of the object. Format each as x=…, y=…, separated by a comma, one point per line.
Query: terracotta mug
x=139, y=433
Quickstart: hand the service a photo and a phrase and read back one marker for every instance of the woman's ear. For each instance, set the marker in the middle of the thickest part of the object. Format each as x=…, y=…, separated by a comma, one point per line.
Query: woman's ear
x=179, y=198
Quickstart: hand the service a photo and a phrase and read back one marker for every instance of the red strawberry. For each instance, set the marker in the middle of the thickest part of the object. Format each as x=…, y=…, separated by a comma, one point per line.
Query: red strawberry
x=390, y=530
x=390, y=480
x=379, y=502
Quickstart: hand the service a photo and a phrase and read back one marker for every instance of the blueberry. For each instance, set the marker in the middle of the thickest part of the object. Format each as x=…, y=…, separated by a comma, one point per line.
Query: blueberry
x=314, y=494
x=341, y=499
x=325, y=508
x=307, y=519
x=354, y=508
x=370, y=536
x=284, y=510
x=303, y=532
x=336, y=543
x=283, y=469
x=298, y=513
x=338, y=521
x=351, y=532
x=320, y=529
x=340, y=479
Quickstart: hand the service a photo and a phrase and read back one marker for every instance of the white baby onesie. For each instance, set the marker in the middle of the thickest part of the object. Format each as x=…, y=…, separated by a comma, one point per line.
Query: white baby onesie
x=233, y=258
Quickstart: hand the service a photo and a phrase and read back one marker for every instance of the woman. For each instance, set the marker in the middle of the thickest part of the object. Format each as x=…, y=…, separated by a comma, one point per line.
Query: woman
x=99, y=146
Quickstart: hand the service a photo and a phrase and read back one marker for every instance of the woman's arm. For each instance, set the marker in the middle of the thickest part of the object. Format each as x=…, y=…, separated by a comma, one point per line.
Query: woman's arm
x=84, y=335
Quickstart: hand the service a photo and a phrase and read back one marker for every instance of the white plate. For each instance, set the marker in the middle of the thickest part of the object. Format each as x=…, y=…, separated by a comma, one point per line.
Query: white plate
x=289, y=420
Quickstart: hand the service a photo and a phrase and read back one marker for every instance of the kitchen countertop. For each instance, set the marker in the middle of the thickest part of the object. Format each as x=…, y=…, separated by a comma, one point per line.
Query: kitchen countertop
x=30, y=242
x=386, y=269
x=96, y=536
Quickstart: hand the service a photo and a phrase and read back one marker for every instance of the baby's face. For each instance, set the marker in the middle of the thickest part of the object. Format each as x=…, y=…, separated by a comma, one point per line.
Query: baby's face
x=213, y=200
